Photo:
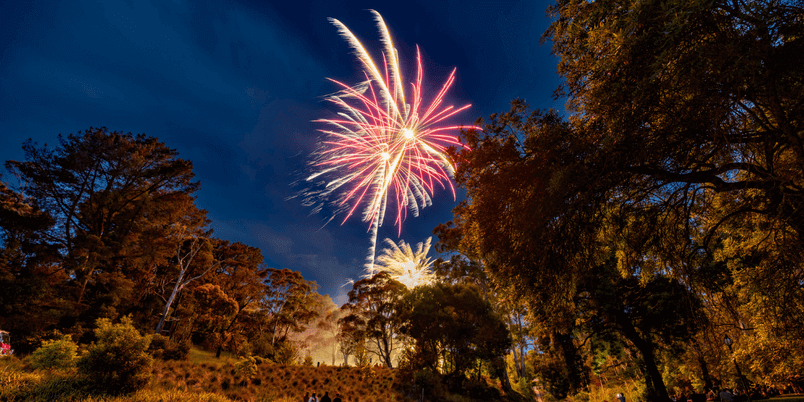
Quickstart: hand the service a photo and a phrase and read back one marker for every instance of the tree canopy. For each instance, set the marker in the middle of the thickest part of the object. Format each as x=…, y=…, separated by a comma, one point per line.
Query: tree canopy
x=679, y=160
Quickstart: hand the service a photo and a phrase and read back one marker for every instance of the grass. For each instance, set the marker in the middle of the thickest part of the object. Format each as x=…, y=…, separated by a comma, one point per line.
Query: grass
x=206, y=379
x=199, y=356
x=277, y=382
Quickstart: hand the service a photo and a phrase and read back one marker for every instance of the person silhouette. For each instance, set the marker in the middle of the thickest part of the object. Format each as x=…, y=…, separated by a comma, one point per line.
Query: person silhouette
x=326, y=397
x=337, y=398
x=306, y=397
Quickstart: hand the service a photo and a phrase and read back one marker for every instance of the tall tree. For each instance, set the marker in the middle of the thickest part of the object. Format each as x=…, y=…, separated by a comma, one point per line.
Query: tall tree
x=240, y=275
x=371, y=311
x=289, y=303
x=697, y=107
x=105, y=190
x=30, y=278
x=684, y=136
x=193, y=259
x=453, y=328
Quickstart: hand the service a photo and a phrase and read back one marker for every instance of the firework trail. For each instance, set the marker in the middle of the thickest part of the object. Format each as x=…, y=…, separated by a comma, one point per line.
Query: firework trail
x=404, y=265
x=384, y=147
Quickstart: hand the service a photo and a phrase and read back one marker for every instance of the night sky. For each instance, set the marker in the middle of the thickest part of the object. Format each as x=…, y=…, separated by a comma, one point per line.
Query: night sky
x=234, y=86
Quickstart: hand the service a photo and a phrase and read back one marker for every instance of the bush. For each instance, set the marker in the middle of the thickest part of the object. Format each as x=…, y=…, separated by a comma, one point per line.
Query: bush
x=164, y=348
x=247, y=367
x=284, y=352
x=118, y=362
x=55, y=353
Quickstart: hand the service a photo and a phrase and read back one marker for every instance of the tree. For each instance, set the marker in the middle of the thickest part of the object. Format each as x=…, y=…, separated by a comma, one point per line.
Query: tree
x=213, y=312
x=240, y=276
x=371, y=309
x=648, y=314
x=321, y=335
x=193, y=258
x=453, y=328
x=31, y=303
x=117, y=363
x=504, y=301
x=684, y=139
x=110, y=195
x=347, y=344
x=289, y=302
x=698, y=109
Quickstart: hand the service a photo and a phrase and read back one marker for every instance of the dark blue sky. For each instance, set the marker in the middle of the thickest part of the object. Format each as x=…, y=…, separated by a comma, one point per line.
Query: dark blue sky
x=234, y=85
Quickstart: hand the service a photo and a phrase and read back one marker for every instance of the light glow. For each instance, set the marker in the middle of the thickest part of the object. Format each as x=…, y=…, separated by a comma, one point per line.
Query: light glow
x=410, y=268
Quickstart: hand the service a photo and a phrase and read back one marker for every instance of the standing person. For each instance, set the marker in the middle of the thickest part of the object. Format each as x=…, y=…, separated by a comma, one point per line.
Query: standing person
x=306, y=397
x=313, y=398
x=326, y=397
x=621, y=397
x=337, y=398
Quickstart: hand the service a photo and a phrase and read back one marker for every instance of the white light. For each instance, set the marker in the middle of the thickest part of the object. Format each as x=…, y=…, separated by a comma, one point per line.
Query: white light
x=408, y=133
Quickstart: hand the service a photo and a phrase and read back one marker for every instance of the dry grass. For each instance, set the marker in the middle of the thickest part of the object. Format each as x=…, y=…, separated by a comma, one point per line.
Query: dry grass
x=276, y=382
x=201, y=356
x=209, y=381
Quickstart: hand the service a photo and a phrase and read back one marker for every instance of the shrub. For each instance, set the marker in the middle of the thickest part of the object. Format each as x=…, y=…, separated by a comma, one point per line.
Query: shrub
x=118, y=362
x=164, y=348
x=247, y=367
x=308, y=361
x=285, y=353
x=55, y=353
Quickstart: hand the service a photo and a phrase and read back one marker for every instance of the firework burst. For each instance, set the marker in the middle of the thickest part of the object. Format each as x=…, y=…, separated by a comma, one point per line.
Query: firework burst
x=385, y=146
x=404, y=265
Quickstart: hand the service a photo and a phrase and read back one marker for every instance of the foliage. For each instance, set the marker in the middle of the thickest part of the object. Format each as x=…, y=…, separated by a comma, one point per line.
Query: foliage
x=248, y=366
x=164, y=348
x=283, y=352
x=289, y=302
x=453, y=328
x=55, y=353
x=113, y=197
x=371, y=309
x=29, y=282
x=240, y=276
x=680, y=161
x=308, y=361
x=117, y=362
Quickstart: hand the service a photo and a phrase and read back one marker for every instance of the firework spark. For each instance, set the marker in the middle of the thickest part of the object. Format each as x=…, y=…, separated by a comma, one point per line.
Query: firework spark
x=383, y=147
x=410, y=268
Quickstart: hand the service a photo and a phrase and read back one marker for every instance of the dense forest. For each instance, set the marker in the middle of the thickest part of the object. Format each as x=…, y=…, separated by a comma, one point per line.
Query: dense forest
x=647, y=240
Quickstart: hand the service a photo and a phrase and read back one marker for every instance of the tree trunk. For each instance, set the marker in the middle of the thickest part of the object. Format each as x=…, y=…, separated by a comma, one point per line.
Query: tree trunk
x=228, y=327
x=172, y=297
x=655, y=389
x=704, y=368
x=83, y=288
x=220, y=347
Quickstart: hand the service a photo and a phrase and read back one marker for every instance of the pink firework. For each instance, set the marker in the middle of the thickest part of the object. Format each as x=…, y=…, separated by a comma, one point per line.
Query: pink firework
x=383, y=148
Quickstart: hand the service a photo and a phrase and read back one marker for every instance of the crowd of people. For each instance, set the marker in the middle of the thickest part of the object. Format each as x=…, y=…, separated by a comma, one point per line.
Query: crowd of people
x=313, y=398
x=734, y=394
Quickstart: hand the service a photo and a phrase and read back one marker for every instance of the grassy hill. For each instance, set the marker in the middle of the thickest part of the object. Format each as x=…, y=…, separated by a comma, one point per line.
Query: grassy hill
x=273, y=381
x=208, y=379
x=205, y=378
